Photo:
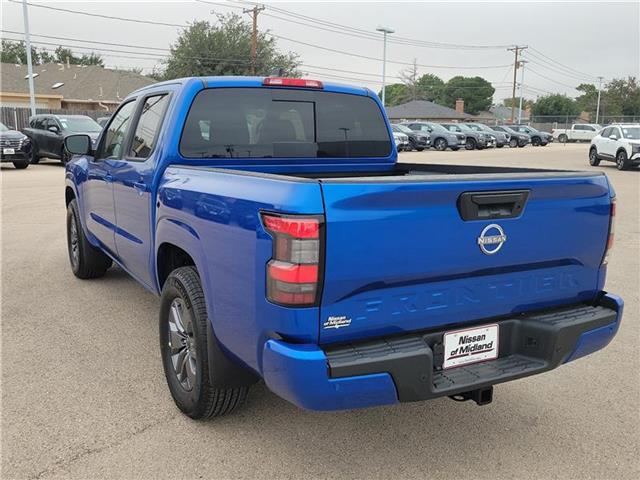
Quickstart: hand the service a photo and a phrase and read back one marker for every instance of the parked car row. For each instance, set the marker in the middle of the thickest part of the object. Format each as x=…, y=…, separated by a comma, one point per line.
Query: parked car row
x=471, y=136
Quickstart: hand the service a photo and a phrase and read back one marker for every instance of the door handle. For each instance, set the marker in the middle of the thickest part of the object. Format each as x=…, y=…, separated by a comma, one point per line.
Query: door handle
x=140, y=187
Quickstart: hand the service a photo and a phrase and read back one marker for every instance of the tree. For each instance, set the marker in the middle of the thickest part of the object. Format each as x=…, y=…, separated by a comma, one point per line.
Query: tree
x=225, y=49
x=622, y=97
x=64, y=55
x=16, y=52
x=588, y=100
x=430, y=86
x=556, y=108
x=395, y=94
x=476, y=92
x=526, y=102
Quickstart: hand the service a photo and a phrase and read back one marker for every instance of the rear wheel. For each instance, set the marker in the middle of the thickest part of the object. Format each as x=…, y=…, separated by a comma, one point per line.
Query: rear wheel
x=621, y=160
x=563, y=138
x=184, y=348
x=419, y=149
x=594, y=160
x=86, y=261
x=513, y=143
x=21, y=165
x=440, y=144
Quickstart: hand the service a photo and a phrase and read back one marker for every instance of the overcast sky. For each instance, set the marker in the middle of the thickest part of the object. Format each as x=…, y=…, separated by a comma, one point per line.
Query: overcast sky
x=570, y=43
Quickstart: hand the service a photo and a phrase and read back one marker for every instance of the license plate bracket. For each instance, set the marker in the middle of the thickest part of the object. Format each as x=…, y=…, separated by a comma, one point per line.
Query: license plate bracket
x=8, y=151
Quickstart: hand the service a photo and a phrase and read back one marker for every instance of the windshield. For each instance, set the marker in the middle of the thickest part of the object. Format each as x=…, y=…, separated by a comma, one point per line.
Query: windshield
x=79, y=124
x=276, y=122
x=403, y=129
x=632, y=133
x=3, y=128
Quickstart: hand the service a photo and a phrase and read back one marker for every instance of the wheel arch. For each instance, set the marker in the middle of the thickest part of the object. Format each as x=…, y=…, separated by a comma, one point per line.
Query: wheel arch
x=621, y=149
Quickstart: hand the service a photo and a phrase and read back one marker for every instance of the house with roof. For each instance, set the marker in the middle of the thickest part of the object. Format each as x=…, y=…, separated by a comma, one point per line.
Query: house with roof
x=425, y=110
x=72, y=87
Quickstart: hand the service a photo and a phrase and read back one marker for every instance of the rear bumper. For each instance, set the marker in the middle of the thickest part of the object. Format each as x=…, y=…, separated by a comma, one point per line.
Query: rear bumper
x=408, y=367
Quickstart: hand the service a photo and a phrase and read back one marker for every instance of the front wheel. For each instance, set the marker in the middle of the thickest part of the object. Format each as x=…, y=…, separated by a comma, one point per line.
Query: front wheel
x=535, y=141
x=184, y=348
x=86, y=260
x=513, y=143
x=419, y=149
x=563, y=138
x=471, y=144
x=21, y=165
x=35, y=158
x=440, y=144
x=621, y=160
x=594, y=160
x=65, y=156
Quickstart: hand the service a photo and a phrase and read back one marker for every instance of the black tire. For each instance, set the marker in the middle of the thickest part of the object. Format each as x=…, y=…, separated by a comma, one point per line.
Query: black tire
x=621, y=160
x=535, y=141
x=86, y=261
x=419, y=149
x=440, y=144
x=455, y=149
x=192, y=392
x=35, y=158
x=522, y=145
x=470, y=144
x=563, y=138
x=513, y=143
x=594, y=159
x=21, y=165
x=65, y=156
x=499, y=146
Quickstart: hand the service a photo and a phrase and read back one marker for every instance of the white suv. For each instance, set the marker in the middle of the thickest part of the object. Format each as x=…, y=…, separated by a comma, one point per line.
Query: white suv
x=616, y=143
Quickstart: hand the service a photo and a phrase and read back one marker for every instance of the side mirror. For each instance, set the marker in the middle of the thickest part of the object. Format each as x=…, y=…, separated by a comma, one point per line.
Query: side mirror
x=53, y=129
x=612, y=137
x=78, y=144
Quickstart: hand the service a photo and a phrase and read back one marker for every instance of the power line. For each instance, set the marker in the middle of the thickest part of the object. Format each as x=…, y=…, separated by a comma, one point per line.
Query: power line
x=551, y=79
x=280, y=37
x=347, y=29
x=549, y=66
x=563, y=65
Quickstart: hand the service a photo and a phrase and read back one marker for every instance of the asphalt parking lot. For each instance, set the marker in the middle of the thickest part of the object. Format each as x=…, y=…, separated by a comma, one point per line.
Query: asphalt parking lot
x=84, y=395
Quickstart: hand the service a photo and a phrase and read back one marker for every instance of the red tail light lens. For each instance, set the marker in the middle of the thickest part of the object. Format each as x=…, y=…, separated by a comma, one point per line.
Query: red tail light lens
x=293, y=273
x=291, y=82
x=612, y=231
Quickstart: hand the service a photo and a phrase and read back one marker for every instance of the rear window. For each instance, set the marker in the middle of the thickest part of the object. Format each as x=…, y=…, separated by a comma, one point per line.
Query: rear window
x=267, y=123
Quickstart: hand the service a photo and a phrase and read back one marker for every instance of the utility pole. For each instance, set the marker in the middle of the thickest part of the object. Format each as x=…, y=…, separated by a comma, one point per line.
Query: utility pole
x=27, y=38
x=599, y=91
x=254, y=37
x=522, y=62
x=385, y=31
x=517, y=49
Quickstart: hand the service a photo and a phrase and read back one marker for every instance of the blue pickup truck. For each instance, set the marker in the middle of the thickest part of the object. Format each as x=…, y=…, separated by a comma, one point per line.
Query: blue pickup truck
x=287, y=244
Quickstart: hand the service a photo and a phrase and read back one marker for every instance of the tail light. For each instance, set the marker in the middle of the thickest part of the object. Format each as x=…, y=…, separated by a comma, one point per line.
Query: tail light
x=612, y=230
x=293, y=273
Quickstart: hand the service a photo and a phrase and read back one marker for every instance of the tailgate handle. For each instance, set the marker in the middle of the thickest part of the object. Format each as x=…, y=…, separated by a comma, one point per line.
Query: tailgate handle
x=489, y=205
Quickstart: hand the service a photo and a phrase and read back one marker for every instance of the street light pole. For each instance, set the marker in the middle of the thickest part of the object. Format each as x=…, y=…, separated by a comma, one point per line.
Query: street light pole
x=27, y=37
x=385, y=31
x=522, y=62
x=599, y=91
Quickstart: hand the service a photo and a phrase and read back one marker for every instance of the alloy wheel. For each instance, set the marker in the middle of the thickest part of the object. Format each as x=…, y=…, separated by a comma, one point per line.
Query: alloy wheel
x=182, y=345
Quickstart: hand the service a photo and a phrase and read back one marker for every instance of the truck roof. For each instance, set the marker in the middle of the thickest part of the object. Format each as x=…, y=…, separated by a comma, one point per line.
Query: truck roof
x=242, y=81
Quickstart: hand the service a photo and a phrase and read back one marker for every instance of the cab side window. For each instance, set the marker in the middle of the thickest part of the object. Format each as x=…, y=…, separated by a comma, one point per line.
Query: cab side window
x=615, y=133
x=148, y=126
x=116, y=133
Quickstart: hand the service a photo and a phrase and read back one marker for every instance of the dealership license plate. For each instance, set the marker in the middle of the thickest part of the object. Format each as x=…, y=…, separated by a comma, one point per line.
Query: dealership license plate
x=471, y=345
x=8, y=151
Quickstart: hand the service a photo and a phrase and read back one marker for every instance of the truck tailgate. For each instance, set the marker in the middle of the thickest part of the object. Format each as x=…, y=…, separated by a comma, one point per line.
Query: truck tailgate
x=400, y=257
